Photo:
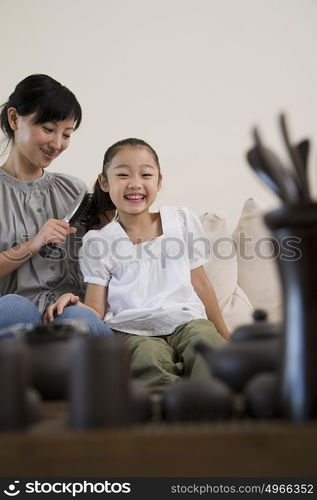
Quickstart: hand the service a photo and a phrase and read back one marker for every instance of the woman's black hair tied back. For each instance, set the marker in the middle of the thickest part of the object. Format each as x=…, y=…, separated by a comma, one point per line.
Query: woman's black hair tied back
x=44, y=96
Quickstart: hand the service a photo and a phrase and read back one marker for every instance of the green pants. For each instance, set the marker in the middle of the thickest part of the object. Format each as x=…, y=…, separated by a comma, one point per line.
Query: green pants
x=164, y=360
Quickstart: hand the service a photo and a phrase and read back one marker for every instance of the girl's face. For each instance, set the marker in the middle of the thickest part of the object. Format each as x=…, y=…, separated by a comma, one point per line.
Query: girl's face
x=133, y=180
x=39, y=144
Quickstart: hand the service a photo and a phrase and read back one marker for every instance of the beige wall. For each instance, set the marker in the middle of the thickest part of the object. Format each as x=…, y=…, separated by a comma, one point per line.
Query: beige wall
x=189, y=76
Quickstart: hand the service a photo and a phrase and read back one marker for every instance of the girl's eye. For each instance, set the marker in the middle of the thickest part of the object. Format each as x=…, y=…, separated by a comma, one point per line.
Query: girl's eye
x=67, y=136
x=122, y=175
x=147, y=175
x=47, y=129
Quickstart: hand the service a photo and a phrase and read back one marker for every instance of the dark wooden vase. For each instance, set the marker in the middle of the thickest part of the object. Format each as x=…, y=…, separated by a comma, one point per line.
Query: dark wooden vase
x=294, y=230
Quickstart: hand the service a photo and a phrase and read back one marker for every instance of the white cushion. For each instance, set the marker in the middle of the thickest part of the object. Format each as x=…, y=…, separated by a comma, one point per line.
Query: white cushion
x=222, y=270
x=238, y=310
x=257, y=271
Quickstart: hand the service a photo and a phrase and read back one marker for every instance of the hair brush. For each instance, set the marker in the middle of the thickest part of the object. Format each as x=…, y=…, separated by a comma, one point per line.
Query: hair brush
x=76, y=212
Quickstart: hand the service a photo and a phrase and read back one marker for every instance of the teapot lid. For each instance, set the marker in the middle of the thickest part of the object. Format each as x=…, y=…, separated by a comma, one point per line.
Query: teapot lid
x=259, y=329
x=57, y=330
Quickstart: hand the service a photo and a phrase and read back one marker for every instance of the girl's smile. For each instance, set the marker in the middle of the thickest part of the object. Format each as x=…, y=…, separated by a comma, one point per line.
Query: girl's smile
x=134, y=198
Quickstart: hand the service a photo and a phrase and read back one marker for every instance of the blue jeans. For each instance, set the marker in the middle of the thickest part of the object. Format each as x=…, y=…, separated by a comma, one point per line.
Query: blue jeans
x=17, y=309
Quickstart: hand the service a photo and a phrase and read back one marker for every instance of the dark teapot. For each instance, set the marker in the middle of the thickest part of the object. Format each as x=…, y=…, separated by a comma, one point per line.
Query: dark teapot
x=197, y=400
x=49, y=353
x=251, y=349
x=259, y=330
x=262, y=396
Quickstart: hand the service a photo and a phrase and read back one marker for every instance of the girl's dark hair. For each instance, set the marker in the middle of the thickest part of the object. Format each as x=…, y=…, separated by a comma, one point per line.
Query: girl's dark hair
x=44, y=96
x=101, y=201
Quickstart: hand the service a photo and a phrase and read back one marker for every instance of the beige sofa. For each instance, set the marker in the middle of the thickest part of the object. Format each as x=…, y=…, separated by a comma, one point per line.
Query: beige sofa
x=242, y=267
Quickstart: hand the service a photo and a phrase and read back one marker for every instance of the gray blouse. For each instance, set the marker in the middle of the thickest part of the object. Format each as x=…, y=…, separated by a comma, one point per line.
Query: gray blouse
x=24, y=208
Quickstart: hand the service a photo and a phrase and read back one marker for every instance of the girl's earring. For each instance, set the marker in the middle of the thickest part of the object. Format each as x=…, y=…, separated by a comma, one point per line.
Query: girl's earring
x=116, y=216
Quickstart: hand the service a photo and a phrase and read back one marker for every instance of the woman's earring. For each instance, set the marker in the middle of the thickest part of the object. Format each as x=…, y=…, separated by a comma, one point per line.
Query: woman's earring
x=116, y=216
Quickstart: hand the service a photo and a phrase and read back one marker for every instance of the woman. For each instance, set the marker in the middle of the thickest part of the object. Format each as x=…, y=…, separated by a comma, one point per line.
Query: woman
x=38, y=120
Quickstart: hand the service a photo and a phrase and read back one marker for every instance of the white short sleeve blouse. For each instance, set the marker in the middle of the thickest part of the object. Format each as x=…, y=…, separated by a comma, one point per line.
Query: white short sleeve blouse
x=149, y=284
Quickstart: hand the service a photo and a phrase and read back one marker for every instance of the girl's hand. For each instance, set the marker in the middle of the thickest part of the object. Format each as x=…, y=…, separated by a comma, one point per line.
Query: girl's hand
x=67, y=299
x=53, y=231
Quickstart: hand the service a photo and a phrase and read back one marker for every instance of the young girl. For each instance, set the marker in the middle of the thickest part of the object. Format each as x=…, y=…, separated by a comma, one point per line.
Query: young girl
x=145, y=271
x=38, y=120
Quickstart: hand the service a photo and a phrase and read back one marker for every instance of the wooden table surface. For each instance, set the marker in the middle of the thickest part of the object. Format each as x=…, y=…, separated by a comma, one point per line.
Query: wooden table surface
x=235, y=448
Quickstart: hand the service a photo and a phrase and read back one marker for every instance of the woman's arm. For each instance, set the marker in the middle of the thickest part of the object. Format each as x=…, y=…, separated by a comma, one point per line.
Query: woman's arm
x=14, y=257
x=206, y=293
x=95, y=300
x=53, y=231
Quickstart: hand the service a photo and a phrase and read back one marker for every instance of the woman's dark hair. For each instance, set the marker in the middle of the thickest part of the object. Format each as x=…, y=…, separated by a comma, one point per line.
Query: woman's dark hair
x=44, y=96
x=101, y=201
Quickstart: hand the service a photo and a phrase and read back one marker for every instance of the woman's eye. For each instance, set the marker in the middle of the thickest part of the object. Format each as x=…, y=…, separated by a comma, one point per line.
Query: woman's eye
x=122, y=175
x=66, y=136
x=147, y=175
x=47, y=129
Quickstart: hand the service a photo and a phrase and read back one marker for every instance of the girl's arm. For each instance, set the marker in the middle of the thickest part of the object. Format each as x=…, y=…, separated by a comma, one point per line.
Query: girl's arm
x=206, y=293
x=95, y=300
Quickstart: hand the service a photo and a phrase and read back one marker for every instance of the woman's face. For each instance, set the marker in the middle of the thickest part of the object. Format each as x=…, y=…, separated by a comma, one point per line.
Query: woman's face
x=39, y=144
